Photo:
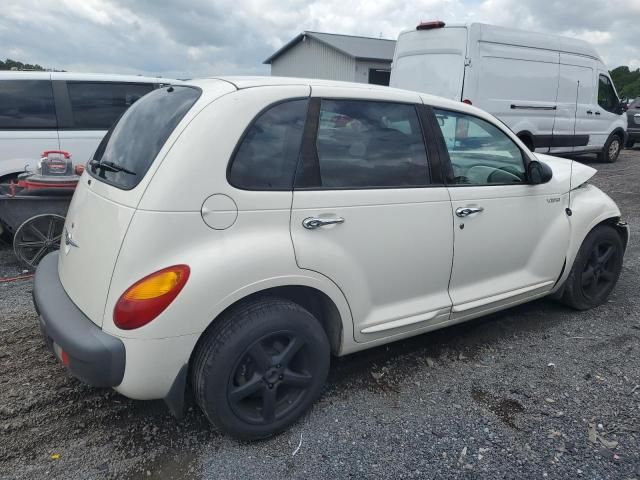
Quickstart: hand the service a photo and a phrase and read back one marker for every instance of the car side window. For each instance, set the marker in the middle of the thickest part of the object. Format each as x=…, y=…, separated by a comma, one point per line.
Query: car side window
x=607, y=97
x=369, y=144
x=480, y=153
x=267, y=156
x=97, y=105
x=27, y=105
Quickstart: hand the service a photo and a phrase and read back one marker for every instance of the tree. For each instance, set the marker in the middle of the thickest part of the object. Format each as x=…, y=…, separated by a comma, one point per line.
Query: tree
x=627, y=82
x=9, y=64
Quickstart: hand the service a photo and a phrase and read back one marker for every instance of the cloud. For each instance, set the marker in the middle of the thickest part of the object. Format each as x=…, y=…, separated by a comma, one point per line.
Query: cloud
x=204, y=37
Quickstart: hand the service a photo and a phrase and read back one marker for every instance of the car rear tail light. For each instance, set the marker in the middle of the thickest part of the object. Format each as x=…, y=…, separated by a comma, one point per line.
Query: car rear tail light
x=147, y=298
x=467, y=101
x=430, y=25
x=64, y=357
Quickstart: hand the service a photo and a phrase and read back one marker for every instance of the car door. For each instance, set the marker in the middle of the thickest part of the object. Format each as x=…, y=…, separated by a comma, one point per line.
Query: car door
x=510, y=236
x=370, y=211
x=606, y=111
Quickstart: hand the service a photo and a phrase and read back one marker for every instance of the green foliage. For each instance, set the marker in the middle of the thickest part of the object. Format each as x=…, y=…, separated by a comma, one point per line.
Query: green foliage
x=13, y=64
x=627, y=82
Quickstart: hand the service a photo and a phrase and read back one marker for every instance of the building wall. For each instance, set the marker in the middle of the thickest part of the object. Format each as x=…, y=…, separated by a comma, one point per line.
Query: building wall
x=312, y=59
x=362, y=69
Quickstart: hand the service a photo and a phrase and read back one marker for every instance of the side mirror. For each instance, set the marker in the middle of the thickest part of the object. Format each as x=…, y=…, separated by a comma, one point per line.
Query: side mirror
x=538, y=172
x=624, y=106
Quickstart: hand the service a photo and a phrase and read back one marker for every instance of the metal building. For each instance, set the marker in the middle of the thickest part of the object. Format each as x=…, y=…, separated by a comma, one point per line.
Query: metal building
x=334, y=57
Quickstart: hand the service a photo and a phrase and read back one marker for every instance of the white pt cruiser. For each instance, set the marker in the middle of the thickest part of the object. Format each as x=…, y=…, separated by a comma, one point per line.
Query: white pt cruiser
x=233, y=233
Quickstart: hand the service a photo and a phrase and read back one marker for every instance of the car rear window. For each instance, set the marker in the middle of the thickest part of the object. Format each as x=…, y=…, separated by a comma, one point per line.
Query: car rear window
x=130, y=147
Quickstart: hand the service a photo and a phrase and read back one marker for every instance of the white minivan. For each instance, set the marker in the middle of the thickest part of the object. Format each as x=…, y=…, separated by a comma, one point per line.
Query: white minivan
x=42, y=111
x=554, y=92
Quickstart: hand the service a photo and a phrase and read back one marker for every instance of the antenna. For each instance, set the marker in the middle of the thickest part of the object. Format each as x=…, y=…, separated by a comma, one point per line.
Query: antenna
x=568, y=210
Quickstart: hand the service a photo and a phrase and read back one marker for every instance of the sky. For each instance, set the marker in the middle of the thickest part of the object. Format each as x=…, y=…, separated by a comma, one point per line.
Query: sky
x=196, y=38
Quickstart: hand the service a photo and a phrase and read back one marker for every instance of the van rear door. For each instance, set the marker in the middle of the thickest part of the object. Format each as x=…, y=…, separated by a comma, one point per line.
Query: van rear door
x=431, y=61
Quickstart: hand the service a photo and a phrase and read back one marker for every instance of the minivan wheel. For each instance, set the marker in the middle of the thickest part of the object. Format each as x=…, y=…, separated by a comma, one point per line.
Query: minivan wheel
x=611, y=150
x=260, y=367
x=595, y=270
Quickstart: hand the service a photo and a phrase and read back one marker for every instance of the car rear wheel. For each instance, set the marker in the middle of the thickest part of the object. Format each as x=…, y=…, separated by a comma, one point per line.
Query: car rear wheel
x=595, y=270
x=260, y=367
x=611, y=150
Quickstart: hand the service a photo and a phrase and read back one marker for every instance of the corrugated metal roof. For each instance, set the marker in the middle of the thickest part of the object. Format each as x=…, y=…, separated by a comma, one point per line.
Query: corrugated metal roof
x=356, y=47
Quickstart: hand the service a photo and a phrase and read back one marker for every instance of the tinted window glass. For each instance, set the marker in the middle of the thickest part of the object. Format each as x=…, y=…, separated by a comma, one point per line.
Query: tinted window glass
x=27, y=104
x=480, y=153
x=97, y=105
x=266, y=159
x=133, y=143
x=364, y=144
x=607, y=97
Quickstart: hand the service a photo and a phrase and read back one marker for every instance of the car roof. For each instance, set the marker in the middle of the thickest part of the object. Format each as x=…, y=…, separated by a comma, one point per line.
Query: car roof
x=242, y=82
x=95, y=77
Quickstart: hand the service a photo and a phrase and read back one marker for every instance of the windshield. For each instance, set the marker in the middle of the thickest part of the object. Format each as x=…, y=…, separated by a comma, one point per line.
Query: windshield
x=130, y=147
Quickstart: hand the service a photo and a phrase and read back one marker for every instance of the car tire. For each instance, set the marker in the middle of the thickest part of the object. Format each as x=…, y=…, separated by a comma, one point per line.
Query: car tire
x=611, y=150
x=260, y=367
x=595, y=270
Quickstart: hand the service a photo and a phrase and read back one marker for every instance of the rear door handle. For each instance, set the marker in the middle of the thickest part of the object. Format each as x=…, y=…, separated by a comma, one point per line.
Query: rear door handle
x=311, y=223
x=597, y=113
x=589, y=112
x=466, y=211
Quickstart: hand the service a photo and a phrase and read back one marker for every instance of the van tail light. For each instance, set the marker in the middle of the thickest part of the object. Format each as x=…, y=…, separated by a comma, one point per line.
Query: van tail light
x=467, y=101
x=149, y=297
x=430, y=25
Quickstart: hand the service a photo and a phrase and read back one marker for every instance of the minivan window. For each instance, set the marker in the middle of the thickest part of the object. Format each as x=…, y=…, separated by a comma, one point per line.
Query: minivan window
x=267, y=155
x=97, y=105
x=607, y=97
x=130, y=147
x=369, y=144
x=27, y=105
x=480, y=153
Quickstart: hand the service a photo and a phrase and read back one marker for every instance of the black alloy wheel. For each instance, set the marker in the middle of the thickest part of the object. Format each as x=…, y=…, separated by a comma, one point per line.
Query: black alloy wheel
x=271, y=378
x=599, y=271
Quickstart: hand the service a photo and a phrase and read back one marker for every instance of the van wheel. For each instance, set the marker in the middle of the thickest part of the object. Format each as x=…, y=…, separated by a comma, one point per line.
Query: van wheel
x=595, y=270
x=611, y=150
x=260, y=367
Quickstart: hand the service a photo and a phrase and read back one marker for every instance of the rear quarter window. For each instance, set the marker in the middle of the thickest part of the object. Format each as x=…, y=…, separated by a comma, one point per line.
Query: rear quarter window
x=27, y=105
x=130, y=147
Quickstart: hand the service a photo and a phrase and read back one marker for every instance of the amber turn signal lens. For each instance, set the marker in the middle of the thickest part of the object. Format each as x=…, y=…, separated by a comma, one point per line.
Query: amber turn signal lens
x=149, y=297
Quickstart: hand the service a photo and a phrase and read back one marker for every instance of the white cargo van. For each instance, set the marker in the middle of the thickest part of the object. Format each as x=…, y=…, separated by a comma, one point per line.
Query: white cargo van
x=554, y=92
x=61, y=111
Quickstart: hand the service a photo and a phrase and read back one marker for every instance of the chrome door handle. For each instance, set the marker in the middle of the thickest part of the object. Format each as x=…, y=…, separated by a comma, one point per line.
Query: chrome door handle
x=311, y=223
x=466, y=211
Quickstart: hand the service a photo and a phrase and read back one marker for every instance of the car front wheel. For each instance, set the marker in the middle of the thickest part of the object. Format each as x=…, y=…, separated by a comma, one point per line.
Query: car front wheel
x=260, y=367
x=595, y=270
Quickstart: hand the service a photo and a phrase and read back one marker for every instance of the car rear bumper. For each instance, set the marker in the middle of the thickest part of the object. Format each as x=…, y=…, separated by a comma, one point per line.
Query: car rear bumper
x=91, y=355
x=633, y=134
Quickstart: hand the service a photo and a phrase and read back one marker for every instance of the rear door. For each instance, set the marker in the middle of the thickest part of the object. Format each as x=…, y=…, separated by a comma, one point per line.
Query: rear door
x=431, y=61
x=89, y=109
x=28, y=124
x=370, y=211
x=106, y=198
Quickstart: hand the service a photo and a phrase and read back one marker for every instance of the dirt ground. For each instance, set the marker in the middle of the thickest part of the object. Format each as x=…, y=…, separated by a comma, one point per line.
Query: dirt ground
x=514, y=395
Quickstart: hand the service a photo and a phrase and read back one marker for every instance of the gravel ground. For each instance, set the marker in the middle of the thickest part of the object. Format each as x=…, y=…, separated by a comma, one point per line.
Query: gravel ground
x=512, y=395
